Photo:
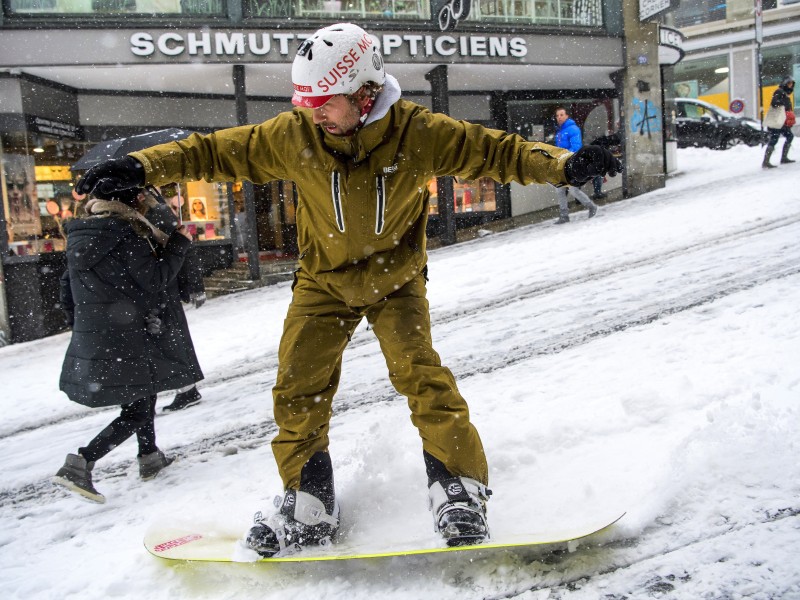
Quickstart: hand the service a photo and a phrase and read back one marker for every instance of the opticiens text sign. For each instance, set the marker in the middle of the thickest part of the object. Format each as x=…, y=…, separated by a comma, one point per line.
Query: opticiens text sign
x=226, y=43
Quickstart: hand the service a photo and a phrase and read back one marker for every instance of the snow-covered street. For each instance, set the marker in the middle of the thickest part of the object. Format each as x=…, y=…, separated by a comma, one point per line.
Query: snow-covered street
x=643, y=361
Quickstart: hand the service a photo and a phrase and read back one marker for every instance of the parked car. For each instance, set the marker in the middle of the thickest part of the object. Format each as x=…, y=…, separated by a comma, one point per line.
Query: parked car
x=698, y=123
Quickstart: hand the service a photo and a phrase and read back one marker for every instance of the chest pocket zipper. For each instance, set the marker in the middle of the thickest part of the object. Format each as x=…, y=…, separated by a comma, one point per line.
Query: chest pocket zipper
x=337, y=201
x=380, y=210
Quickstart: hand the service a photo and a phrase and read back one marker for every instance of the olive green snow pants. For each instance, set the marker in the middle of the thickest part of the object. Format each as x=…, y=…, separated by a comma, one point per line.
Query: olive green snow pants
x=316, y=331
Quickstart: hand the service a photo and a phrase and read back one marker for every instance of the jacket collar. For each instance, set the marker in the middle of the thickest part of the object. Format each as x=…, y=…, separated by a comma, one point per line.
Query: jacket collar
x=113, y=208
x=569, y=122
x=389, y=95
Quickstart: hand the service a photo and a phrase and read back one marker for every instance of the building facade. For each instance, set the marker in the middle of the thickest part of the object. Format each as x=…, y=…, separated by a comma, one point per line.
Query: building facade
x=74, y=73
x=729, y=60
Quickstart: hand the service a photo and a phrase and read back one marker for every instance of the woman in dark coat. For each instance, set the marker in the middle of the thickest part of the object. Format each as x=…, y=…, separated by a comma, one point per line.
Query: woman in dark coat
x=780, y=99
x=113, y=291
x=187, y=287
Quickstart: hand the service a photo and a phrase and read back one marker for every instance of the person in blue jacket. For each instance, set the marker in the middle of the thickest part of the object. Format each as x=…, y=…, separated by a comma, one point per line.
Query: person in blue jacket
x=568, y=136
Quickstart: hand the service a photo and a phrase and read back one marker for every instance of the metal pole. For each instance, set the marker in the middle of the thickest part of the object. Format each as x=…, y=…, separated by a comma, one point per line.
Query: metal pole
x=444, y=185
x=759, y=61
x=251, y=231
x=759, y=37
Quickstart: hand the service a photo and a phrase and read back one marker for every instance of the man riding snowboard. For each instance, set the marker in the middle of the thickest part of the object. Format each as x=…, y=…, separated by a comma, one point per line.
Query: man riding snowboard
x=361, y=158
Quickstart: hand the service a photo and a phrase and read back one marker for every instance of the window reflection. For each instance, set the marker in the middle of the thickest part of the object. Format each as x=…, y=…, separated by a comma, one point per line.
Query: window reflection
x=535, y=12
x=114, y=7
x=468, y=196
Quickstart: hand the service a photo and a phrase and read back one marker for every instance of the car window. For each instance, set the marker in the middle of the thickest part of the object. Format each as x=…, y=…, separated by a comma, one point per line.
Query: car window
x=692, y=111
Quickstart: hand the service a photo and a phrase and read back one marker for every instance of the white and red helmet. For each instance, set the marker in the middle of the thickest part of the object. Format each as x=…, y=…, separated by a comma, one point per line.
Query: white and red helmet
x=338, y=59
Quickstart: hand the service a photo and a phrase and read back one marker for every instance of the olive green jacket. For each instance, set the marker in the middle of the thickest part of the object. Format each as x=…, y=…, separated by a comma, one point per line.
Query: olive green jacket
x=363, y=199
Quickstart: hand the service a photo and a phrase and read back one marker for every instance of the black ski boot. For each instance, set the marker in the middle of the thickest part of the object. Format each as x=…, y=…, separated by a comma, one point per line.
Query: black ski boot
x=765, y=164
x=785, y=160
x=76, y=475
x=458, y=505
x=151, y=464
x=302, y=520
x=184, y=400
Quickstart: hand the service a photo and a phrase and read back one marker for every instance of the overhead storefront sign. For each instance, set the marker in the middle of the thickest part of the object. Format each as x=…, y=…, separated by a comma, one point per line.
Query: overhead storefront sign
x=54, y=128
x=229, y=44
x=651, y=8
x=670, y=48
x=205, y=45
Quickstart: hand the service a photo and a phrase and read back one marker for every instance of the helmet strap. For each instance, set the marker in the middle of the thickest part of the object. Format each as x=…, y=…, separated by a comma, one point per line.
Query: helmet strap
x=365, y=110
x=364, y=104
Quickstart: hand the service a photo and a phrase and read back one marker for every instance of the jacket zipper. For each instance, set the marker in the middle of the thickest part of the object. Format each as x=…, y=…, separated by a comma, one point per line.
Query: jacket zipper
x=337, y=201
x=380, y=212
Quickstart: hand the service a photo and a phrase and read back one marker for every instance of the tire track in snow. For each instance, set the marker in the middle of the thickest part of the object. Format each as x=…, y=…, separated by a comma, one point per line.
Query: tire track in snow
x=255, y=435
x=268, y=363
x=567, y=584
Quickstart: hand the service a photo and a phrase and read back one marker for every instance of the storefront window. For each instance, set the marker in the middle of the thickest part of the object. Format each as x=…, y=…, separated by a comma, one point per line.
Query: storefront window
x=469, y=196
x=115, y=7
x=535, y=120
x=706, y=79
x=779, y=61
x=534, y=12
x=696, y=13
x=531, y=12
x=37, y=187
x=21, y=205
x=38, y=196
x=204, y=209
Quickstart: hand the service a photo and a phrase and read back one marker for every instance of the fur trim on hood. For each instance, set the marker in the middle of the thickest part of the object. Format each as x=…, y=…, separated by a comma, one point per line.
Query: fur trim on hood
x=114, y=208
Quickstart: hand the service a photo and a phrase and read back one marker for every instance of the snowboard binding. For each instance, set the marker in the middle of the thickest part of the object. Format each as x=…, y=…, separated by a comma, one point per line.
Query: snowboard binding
x=458, y=505
x=301, y=521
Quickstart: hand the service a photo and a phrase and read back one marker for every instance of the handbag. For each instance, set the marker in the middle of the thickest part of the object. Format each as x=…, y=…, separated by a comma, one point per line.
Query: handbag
x=775, y=117
x=790, y=120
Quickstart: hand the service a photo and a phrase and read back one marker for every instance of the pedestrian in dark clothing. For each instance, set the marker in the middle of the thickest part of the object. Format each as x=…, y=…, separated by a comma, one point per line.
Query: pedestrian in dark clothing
x=597, y=185
x=186, y=287
x=779, y=121
x=112, y=294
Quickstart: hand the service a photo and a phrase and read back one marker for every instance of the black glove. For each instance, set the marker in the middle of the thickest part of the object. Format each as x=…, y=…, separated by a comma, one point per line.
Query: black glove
x=112, y=176
x=589, y=162
x=153, y=323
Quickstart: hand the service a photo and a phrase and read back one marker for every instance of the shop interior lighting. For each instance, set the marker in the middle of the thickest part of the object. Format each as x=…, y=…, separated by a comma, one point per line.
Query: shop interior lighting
x=722, y=70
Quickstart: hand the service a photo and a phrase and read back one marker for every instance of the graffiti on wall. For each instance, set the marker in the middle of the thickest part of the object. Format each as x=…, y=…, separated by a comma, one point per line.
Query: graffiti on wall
x=645, y=117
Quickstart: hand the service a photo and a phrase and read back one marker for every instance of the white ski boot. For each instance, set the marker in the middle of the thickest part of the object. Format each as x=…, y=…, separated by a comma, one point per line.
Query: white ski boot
x=301, y=520
x=458, y=505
